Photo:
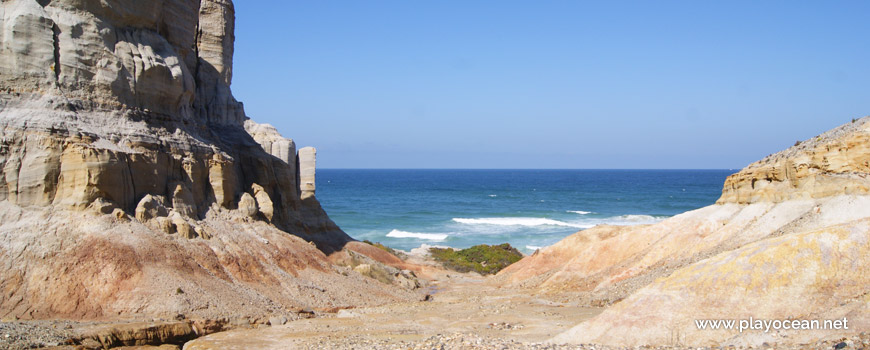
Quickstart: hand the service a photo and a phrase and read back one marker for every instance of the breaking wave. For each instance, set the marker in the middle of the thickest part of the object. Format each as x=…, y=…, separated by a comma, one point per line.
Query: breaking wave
x=518, y=222
x=426, y=236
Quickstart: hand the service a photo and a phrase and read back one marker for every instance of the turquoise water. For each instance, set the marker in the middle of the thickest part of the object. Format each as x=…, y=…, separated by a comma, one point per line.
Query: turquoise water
x=526, y=208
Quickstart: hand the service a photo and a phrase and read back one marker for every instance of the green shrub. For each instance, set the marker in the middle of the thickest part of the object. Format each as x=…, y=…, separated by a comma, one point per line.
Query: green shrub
x=483, y=259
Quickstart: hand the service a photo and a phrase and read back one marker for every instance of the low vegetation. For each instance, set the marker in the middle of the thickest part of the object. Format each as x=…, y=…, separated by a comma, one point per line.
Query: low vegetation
x=483, y=259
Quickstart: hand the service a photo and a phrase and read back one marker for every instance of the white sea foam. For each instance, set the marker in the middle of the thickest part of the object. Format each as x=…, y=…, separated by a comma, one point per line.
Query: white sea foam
x=426, y=236
x=628, y=220
x=533, y=247
x=639, y=218
x=493, y=195
x=581, y=212
x=518, y=221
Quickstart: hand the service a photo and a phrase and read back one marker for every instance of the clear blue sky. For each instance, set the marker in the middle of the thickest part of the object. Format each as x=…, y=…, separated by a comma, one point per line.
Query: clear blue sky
x=551, y=84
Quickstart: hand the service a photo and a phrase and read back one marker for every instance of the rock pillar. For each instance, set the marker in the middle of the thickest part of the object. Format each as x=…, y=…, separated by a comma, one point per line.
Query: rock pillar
x=307, y=162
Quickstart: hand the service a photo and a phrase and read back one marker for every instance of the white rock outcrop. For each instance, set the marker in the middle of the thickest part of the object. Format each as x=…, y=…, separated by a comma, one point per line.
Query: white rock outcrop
x=117, y=100
x=116, y=109
x=307, y=171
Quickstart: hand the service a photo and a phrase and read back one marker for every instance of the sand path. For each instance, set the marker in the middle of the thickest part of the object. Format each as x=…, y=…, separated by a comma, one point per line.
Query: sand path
x=460, y=304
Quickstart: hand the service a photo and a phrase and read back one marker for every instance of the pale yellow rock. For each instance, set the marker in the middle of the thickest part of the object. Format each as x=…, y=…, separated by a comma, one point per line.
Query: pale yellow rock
x=222, y=180
x=833, y=163
x=102, y=206
x=150, y=207
x=181, y=226
x=248, y=205
x=307, y=172
x=120, y=214
x=182, y=201
x=272, y=142
x=140, y=334
x=200, y=232
x=161, y=224
x=264, y=203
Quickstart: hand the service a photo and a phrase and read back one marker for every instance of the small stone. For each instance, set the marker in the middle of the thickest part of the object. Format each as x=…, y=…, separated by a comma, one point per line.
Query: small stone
x=150, y=207
x=182, y=200
x=119, y=213
x=181, y=226
x=840, y=345
x=307, y=313
x=277, y=320
x=264, y=202
x=103, y=206
x=248, y=205
x=201, y=232
x=164, y=224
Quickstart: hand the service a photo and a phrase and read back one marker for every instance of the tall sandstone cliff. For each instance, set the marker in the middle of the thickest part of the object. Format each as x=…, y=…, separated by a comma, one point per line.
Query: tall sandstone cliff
x=128, y=171
x=788, y=239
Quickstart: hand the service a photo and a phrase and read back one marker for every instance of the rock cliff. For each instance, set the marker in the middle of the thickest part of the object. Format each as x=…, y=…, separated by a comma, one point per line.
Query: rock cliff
x=834, y=163
x=784, y=241
x=119, y=100
x=128, y=169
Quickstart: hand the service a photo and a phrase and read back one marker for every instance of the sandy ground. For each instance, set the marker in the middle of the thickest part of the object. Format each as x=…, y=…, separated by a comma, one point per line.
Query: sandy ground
x=460, y=304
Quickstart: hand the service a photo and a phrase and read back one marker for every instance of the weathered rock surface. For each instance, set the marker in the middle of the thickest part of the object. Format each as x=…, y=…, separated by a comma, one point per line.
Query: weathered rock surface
x=83, y=265
x=715, y=262
x=817, y=275
x=129, y=171
x=139, y=334
x=307, y=164
x=834, y=163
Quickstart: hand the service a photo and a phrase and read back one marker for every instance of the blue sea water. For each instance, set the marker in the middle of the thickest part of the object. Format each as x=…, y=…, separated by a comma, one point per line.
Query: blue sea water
x=526, y=208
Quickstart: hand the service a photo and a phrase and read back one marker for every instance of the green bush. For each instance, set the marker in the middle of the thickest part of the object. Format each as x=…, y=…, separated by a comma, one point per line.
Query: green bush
x=483, y=259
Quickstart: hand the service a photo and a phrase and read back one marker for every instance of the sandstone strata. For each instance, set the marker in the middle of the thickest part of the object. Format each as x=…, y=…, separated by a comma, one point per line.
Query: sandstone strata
x=783, y=242
x=129, y=171
x=834, y=163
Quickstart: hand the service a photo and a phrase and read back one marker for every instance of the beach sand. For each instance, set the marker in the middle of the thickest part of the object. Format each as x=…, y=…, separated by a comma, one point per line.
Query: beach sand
x=460, y=305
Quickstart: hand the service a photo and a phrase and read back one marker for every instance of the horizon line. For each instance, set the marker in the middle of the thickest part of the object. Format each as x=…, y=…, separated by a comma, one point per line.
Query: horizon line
x=728, y=169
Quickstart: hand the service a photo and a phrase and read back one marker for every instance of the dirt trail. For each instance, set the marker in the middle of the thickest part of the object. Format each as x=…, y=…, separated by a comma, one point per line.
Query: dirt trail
x=460, y=304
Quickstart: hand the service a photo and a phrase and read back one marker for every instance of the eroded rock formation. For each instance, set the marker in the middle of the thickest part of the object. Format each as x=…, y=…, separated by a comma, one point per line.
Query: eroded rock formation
x=119, y=131
x=787, y=240
x=117, y=101
x=834, y=163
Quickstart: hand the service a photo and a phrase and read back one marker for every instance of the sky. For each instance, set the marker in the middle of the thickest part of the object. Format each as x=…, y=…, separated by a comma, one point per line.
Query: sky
x=551, y=84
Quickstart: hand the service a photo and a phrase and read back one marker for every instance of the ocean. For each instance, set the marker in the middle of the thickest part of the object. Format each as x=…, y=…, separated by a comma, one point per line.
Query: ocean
x=529, y=209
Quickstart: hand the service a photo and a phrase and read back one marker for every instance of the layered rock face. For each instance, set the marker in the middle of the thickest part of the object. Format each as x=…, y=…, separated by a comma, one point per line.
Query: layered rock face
x=122, y=100
x=834, y=163
x=783, y=247
x=118, y=129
